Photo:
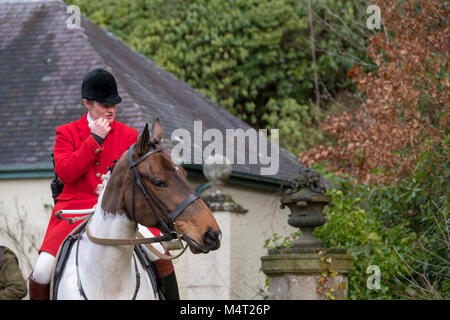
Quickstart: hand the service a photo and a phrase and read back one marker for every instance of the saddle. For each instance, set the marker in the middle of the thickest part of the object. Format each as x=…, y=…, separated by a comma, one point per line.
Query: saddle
x=66, y=248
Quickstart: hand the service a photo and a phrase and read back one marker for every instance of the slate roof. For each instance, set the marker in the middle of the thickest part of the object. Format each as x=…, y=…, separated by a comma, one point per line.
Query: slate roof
x=42, y=63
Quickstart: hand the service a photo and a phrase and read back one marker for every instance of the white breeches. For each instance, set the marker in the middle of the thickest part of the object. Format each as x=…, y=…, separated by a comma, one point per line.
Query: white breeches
x=43, y=268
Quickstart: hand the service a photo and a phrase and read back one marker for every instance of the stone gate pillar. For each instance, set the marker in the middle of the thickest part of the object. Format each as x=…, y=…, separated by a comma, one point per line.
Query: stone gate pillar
x=307, y=270
x=307, y=273
x=210, y=276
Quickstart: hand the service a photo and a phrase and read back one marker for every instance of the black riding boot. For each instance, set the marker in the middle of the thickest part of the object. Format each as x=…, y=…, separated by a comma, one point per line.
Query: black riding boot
x=169, y=287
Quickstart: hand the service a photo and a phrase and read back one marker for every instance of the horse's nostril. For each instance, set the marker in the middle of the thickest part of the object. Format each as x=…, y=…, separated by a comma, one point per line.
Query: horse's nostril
x=212, y=238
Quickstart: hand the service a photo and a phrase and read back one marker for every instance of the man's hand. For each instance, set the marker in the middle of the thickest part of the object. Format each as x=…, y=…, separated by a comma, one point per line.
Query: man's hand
x=100, y=127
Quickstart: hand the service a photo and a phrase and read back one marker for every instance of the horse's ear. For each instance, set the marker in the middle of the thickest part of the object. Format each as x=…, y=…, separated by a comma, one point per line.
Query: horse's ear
x=143, y=141
x=156, y=134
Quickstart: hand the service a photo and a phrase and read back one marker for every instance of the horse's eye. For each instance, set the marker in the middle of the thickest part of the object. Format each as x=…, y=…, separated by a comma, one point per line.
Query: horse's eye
x=160, y=184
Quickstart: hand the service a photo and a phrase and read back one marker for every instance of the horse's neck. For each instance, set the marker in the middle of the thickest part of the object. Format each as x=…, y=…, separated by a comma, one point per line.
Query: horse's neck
x=107, y=225
x=111, y=224
x=107, y=268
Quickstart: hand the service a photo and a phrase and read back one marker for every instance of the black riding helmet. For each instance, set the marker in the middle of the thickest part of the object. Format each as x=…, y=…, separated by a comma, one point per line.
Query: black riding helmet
x=100, y=85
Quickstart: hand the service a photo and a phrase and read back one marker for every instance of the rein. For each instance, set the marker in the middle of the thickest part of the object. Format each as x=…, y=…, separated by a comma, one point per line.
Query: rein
x=122, y=242
x=125, y=242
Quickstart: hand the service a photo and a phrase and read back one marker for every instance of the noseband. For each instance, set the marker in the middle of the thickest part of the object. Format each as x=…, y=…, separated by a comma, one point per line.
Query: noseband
x=167, y=226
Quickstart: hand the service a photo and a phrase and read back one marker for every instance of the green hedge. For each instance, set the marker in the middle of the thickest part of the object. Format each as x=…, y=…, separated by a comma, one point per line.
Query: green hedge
x=403, y=229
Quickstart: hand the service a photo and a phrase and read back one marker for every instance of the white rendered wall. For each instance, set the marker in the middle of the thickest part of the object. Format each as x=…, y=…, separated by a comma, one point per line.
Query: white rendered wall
x=232, y=272
x=25, y=209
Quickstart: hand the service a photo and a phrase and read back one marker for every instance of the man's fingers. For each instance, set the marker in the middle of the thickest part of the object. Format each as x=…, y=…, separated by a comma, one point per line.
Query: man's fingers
x=102, y=122
x=105, y=122
x=100, y=127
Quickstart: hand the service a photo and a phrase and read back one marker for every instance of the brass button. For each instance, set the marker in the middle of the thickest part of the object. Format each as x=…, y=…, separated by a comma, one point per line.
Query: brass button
x=97, y=174
x=97, y=151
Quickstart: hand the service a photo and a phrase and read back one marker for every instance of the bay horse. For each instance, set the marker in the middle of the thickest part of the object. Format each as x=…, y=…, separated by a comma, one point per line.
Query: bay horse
x=144, y=188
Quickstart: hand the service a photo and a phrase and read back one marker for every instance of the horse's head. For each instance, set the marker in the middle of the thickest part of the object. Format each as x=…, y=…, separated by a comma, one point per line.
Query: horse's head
x=167, y=183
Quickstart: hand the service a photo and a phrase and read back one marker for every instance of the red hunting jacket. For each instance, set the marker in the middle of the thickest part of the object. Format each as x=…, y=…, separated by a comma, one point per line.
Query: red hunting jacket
x=80, y=162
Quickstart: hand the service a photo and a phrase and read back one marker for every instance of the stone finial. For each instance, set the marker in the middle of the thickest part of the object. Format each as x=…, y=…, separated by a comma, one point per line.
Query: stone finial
x=306, y=200
x=307, y=178
x=217, y=200
x=217, y=169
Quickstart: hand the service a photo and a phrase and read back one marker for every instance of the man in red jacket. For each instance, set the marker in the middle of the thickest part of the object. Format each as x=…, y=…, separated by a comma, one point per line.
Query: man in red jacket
x=83, y=151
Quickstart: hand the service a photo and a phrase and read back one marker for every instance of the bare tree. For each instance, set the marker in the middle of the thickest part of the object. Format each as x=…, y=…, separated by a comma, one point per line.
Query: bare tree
x=313, y=53
x=22, y=236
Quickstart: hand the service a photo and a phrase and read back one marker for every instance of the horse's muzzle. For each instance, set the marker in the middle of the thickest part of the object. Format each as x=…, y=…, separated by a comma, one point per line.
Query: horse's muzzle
x=212, y=239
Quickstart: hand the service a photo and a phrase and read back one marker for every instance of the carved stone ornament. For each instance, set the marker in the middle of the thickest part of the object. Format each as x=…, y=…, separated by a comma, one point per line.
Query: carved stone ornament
x=217, y=169
x=306, y=201
x=306, y=178
x=217, y=200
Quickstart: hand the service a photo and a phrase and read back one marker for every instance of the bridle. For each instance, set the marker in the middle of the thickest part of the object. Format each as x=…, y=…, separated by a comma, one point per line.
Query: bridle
x=167, y=226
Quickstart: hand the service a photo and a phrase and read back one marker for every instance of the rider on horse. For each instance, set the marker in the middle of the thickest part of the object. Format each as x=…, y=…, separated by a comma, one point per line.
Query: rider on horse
x=83, y=151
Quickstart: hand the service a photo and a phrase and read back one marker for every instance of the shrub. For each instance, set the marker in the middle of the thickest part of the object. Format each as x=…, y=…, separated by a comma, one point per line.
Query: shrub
x=403, y=229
